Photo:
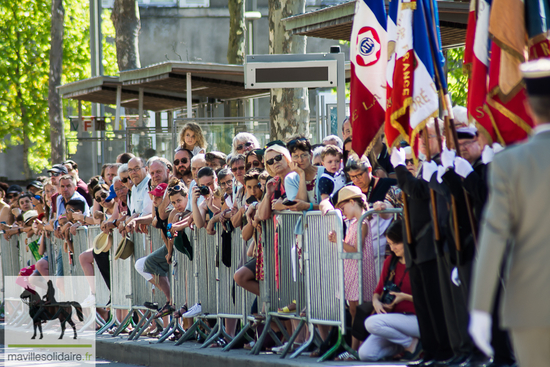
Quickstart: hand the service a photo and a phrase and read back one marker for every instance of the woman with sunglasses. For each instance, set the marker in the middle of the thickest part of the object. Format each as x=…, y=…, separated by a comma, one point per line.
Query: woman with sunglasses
x=243, y=143
x=254, y=159
x=277, y=163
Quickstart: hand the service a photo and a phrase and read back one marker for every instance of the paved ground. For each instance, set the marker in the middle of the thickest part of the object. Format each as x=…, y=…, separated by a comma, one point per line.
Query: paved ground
x=146, y=352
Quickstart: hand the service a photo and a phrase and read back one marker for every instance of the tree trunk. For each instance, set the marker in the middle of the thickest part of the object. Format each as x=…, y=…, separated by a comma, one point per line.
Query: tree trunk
x=57, y=130
x=125, y=17
x=237, y=32
x=289, y=113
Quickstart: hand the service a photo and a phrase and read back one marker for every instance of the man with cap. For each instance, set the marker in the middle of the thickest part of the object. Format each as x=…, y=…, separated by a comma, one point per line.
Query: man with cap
x=512, y=232
x=35, y=186
x=67, y=192
x=12, y=199
x=55, y=172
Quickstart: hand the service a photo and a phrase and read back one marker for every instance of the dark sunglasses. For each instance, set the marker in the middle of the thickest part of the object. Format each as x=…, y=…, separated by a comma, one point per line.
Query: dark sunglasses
x=54, y=174
x=253, y=164
x=272, y=160
x=407, y=161
x=293, y=142
x=235, y=169
x=11, y=196
x=275, y=142
x=124, y=180
x=101, y=197
x=183, y=160
x=241, y=146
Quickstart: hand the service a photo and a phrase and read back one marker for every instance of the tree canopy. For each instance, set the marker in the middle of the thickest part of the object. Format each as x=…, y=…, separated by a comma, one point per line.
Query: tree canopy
x=24, y=65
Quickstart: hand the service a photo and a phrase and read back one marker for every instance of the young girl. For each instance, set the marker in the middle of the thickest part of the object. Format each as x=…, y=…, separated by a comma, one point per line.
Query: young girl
x=352, y=203
x=191, y=138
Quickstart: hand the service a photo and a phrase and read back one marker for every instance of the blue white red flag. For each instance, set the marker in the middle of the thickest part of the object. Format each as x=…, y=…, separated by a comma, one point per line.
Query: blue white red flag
x=368, y=56
x=428, y=54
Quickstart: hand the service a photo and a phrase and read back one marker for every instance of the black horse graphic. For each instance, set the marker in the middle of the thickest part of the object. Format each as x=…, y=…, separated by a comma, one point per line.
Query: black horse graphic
x=41, y=311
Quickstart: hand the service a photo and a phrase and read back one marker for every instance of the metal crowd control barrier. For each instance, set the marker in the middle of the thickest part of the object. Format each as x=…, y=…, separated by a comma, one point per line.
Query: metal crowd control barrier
x=142, y=290
x=9, y=251
x=283, y=278
x=25, y=253
x=204, y=260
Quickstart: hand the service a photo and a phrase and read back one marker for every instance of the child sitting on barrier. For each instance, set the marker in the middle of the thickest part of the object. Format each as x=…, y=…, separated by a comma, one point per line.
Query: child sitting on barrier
x=352, y=203
x=333, y=179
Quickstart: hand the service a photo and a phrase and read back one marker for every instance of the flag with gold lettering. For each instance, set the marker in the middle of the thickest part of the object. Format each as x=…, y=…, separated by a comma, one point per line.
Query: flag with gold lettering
x=399, y=72
x=368, y=52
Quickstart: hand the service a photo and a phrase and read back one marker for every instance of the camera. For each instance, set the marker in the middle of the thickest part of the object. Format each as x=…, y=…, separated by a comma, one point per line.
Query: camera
x=388, y=298
x=204, y=190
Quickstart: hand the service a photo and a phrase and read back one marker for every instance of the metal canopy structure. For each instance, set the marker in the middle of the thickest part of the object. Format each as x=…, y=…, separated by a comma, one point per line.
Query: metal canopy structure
x=335, y=22
x=163, y=86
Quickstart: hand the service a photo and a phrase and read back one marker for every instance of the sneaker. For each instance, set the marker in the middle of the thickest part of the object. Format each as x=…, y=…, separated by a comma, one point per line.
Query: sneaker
x=279, y=349
x=193, y=311
x=89, y=301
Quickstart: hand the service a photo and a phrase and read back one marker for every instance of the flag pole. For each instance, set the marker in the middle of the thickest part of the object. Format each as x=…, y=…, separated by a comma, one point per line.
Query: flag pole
x=449, y=121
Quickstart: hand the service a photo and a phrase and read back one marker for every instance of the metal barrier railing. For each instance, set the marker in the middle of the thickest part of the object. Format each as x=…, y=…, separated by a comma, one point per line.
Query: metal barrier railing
x=300, y=265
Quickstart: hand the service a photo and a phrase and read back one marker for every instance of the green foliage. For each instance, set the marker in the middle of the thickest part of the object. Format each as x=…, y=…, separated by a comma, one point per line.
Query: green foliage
x=24, y=65
x=457, y=79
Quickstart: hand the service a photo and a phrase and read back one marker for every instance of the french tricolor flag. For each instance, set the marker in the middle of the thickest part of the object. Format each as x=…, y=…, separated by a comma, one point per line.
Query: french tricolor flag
x=368, y=56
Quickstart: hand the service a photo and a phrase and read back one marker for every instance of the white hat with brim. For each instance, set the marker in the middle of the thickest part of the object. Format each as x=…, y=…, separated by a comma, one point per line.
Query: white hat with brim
x=102, y=243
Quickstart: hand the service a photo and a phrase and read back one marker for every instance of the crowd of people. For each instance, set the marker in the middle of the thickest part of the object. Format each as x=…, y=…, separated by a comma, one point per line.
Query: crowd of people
x=415, y=274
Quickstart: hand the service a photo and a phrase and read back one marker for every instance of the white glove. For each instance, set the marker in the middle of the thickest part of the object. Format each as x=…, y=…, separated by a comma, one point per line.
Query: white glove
x=440, y=172
x=480, y=330
x=398, y=157
x=454, y=277
x=462, y=167
x=428, y=169
x=497, y=148
x=447, y=158
x=487, y=155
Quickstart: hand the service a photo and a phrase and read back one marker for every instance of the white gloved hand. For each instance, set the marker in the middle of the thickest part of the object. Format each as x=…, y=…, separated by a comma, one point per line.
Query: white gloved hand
x=487, y=155
x=497, y=148
x=454, y=277
x=480, y=330
x=440, y=172
x=447, y=158
x=428, y=169
x=462, y=167
x=398, y=157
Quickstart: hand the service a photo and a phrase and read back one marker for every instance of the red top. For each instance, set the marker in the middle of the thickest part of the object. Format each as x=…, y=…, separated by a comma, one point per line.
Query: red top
x=400, y=275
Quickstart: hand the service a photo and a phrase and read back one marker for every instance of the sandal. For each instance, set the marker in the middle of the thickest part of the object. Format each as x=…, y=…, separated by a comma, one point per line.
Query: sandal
x=346, y=356
x=155, y=333
x=175, y=336
x=181, y=311
x=220, y=343
x=168, y=309
x=288, y=309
